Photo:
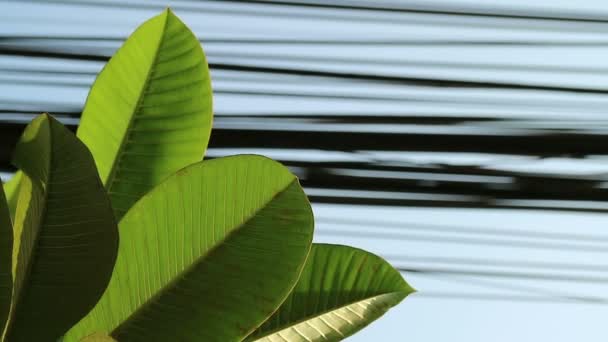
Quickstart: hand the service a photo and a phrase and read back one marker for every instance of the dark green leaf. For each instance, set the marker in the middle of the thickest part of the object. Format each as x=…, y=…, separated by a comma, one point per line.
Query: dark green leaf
x=65, y=234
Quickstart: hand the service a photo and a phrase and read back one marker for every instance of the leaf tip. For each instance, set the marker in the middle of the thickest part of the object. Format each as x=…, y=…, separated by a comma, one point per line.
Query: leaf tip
x=168, y=13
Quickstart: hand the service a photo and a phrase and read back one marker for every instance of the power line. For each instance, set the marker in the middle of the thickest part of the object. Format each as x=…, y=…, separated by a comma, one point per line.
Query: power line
x=554, y=277
x=524, y=289
x=403, y=237
x=373, y=225
x=502, y=297
x=444, y=9
x=498, y=263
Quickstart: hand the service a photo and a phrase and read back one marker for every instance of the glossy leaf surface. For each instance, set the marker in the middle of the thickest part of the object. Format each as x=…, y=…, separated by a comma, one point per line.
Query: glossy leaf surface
x=207, y=255
x=149, y=112
x=65, y=234
x=341, y=290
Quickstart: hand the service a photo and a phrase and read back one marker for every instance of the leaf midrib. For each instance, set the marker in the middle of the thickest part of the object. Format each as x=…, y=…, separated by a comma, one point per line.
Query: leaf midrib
x=200, y=259
x=120, y=153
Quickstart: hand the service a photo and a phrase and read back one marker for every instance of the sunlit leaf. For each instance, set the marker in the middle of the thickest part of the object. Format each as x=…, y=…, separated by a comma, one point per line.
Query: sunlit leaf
x=65, y=235
x=207, y=255
x=6, y=257
x=341, y=290
x=149, y=112
x=11, y=191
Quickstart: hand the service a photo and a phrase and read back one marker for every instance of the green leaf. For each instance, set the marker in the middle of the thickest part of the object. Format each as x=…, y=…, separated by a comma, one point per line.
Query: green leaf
x=65, y=235
x=11, y=190
x=341, y=290
x=207, y=255
x=6, y=257
x=149, y=111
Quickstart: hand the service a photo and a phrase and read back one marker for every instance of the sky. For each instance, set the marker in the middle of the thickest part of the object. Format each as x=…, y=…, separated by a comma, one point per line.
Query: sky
x=420, y=318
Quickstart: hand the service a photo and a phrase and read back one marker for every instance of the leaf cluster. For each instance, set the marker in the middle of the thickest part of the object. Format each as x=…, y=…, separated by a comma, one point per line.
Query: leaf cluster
x=122, y=233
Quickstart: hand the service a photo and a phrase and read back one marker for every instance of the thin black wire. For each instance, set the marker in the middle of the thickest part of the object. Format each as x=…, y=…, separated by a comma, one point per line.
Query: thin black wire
x=403, y=237
x=452, y=11
x=499, y=263
x=519, y=19
x=502, y=298
x=550, y=277
x=342, y=60
x=306, y=94
x=353, y=76
x=36, y=40
x=524, y=289
x=429, y=227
